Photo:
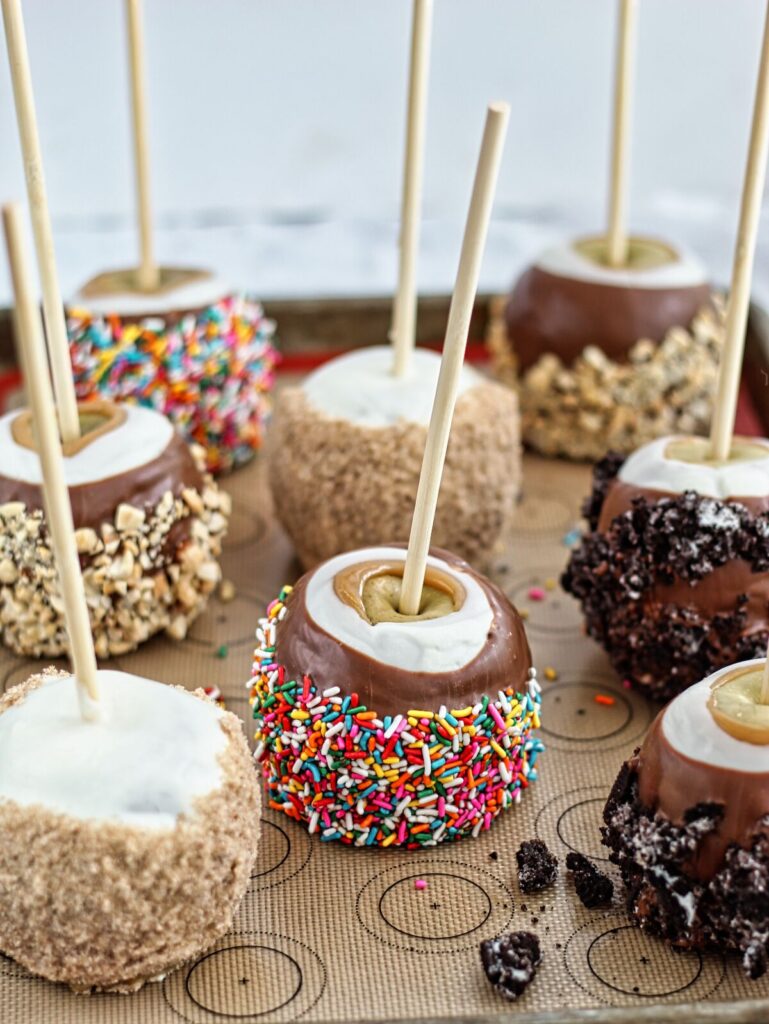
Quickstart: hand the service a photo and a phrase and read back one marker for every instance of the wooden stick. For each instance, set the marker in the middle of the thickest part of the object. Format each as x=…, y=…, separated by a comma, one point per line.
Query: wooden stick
x=29, y=339
x=53, y=307
x=725, y=405
x=454, y=346
x=405, y=306
x=617, y=240
x=148, y=276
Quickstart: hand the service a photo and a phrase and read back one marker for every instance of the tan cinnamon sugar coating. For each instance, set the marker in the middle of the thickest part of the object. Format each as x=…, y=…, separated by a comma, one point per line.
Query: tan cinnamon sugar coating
x=339, y=485
x=102, y=905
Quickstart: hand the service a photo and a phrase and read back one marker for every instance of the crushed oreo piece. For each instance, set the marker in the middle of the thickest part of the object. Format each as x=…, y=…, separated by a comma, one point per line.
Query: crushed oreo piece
x=537, y=866
x=511, y=961
x=594, y=888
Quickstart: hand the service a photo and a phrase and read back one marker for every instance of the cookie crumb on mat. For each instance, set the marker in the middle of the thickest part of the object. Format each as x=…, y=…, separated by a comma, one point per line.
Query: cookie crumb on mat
x=511, y=961
x=537, y=866
x=594, y=888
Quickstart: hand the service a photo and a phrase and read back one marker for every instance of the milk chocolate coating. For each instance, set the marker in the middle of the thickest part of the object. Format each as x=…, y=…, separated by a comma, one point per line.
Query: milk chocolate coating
x=304, y=648
x=718, y=591
x=96, y=503
x=619, y=498
x=670, y=784
x=550, y=313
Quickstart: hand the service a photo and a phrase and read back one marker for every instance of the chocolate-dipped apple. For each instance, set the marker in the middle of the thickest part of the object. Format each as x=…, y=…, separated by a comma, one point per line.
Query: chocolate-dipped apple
x=393, y=689
x=609, y=357
x=379, y=728
x=192, y=348
x=614, y=340
x=149, y=524
x=687, y=820
x=673, y=574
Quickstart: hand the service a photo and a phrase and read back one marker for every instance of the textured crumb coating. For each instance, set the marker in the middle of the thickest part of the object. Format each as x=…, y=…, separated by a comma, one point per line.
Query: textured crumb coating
x=150, y=569
x=339, y=486
x=102, y=905
x=664, y=647
x=580, y=411
x=728, y=912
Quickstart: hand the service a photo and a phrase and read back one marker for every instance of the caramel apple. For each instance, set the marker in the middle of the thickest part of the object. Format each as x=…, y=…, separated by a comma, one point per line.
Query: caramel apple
x=378, y=728
x=673, y=573
x=149, y=523
x=192, y=348
x=607, y=357
x=128, y=841
x=346, y=449
x=687, y=818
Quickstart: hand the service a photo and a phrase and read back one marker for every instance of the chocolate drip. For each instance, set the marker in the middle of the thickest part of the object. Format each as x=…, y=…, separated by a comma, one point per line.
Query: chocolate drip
x=550, y=313
x=670, y=784
x=304, y=648
x=143, y=487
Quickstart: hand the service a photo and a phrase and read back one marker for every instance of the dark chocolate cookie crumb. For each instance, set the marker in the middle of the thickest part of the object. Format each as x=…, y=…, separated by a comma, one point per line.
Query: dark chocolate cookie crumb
x=511, y=961
x=537, y=866
x=594, y=888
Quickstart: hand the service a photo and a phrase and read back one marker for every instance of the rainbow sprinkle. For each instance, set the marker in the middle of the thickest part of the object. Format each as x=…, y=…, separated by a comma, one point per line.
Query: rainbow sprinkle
x=412, y=780
x=210, y=372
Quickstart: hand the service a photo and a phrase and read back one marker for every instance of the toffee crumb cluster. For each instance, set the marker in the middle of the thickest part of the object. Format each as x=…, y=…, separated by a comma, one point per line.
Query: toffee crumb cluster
x=580, y=410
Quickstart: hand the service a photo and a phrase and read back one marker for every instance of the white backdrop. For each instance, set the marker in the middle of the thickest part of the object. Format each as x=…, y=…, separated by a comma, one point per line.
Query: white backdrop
x=277, y=132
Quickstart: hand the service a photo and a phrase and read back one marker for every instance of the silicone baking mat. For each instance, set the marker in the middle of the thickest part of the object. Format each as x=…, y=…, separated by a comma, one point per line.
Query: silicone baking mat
x=328, y=933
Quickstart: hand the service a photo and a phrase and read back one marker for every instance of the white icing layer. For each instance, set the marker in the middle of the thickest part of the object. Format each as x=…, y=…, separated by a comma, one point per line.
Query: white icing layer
x=690, y=728
x=360, y=387
x=435, y=645
x=566, y=261
x=192, y=295
x=650, y=467
x=142, y=437
x=153, y=752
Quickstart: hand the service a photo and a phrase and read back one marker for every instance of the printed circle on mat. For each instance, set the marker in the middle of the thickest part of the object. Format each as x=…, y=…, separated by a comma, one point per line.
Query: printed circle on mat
x=542, y=512
x=283, y=853
x=578, y=712
x=572, y=821
x=246, y=525
x=232, y=624
x=246, y=977
x=555, y=614
x=619, y=964
x=457, y=905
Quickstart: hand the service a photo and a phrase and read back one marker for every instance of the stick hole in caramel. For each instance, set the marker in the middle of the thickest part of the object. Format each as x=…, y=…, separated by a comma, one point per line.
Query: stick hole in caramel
x=373, y=590
x=697, y=450
x=643, y=253
x=96, y=418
